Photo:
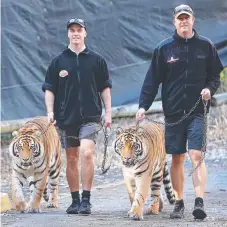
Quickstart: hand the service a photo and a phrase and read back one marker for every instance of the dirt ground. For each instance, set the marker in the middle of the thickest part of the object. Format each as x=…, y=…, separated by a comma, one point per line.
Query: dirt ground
x=109, y=197
x=111, y=204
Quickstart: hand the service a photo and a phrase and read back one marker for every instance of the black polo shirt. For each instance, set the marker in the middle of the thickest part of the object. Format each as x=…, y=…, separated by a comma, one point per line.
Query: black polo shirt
x=77, y=81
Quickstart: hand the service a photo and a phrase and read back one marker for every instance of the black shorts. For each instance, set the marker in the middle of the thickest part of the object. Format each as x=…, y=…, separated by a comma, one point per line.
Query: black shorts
x=71, y=135
x=187, y=134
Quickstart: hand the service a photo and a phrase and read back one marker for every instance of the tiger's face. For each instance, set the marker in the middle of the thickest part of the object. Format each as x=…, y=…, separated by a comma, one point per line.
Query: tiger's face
x=26, y=148
x=129, y=145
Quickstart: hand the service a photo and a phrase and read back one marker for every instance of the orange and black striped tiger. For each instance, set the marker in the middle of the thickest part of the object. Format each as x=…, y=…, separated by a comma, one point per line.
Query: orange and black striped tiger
x=36, y=157
x=144, y=167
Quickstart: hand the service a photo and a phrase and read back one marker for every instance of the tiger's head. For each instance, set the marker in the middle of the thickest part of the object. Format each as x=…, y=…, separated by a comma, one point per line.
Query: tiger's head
x=129, y=146
x=26, y=147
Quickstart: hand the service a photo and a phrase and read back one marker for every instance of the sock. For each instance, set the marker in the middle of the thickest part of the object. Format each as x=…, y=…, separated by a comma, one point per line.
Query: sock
x=75, y=196
x=86, y=194
x=180, y=202
x=198, y=200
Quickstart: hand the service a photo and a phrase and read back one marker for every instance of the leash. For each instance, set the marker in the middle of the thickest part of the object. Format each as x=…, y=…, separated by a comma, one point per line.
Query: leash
x=106, y=139
x=204, y=141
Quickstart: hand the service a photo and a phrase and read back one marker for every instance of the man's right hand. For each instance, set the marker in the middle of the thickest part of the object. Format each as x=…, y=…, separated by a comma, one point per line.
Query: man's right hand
x=140, y=115
x=50, y=116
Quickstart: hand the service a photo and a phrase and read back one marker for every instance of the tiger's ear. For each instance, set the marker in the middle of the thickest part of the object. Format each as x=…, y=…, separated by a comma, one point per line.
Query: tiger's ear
x=37, y=134
x=119, y=130
x=15, y=133
x=139, y=131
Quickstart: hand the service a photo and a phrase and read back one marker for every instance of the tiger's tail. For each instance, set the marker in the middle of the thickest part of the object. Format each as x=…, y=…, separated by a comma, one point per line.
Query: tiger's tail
x=168, y=185
x=46, y=194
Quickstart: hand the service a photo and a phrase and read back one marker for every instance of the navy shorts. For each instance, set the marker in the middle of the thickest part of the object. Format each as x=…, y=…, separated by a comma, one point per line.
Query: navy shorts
x=186, y=135
x=71, y=135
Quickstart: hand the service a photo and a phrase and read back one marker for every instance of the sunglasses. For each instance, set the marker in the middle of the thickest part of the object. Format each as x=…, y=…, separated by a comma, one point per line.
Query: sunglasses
x=76, y=20
x=182, y=8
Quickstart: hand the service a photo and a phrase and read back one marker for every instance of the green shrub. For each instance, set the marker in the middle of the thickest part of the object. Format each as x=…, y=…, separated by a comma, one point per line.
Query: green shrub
x=223, y=77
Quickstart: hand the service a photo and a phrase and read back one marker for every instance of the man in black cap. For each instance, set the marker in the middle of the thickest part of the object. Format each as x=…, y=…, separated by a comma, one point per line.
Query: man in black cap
x=188, y=67
x=74, y=83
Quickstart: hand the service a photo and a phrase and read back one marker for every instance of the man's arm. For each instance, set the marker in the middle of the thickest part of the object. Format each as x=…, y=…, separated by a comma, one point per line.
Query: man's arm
x=214, y=67
x=106, y=98
x=150, y=85
x=50, y=88
x=104, y=84
x=49, y=101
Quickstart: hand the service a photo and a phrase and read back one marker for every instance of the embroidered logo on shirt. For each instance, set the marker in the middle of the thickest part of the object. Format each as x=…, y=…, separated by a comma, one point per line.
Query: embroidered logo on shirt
x=63, y=73
x=201, y=56
x=173, y=60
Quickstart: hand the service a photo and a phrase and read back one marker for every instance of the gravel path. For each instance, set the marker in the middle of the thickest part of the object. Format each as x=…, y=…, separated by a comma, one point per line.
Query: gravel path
x=110, y=205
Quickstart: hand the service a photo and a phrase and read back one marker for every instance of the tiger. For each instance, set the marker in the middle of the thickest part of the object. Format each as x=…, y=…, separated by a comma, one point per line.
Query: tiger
x=36, y=158
x=144, y=167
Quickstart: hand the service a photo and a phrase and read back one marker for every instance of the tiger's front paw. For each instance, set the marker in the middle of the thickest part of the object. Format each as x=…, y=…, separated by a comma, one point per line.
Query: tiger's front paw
x=135, y=215
x=52, y=205
x=20, y=205
x=33, y=209
x=153, y=209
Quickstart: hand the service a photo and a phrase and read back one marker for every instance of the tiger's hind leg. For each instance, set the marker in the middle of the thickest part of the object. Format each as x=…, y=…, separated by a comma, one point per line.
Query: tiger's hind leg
x=18, y=181
x=168, y=185
x=53, y=183
x=157, y=204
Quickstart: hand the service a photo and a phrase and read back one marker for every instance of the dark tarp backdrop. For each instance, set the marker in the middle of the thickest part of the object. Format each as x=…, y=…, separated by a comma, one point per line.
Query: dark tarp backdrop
x=124, y=32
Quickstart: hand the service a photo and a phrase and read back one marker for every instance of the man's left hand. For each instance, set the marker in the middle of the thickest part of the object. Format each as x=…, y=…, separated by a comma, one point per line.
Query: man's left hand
x=107, y=120
x=206, y=94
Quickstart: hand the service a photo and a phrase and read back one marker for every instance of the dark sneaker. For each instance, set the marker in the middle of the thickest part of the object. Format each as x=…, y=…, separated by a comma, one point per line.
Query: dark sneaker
x=73, y=208
x=85, y=207
x=199, y=212
x=178, y=211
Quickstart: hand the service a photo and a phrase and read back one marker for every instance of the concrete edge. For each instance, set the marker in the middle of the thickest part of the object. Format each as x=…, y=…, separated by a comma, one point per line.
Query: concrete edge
x=117, y=112
x=5, y=202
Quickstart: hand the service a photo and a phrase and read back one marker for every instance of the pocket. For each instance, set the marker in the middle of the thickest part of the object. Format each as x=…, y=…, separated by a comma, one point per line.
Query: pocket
x=201, y=66
x=200, y=63
x=63, y=82
x=174, y=69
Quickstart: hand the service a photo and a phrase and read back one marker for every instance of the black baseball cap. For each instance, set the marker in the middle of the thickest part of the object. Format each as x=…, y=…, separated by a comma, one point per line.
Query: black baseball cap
x=183, y=9
x=76, y=21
